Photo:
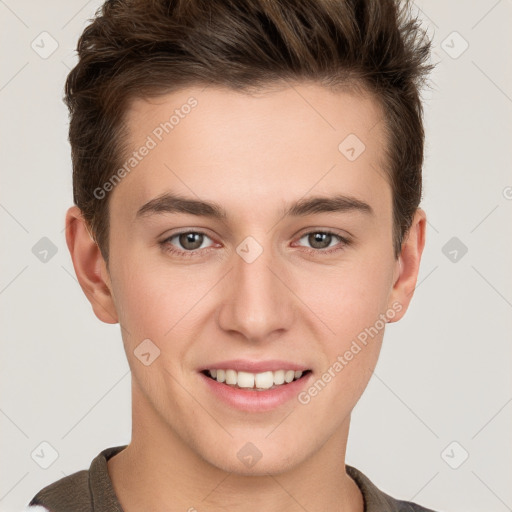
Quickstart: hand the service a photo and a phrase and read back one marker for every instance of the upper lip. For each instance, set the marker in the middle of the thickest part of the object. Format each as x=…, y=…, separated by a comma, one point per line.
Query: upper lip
x=245, y=365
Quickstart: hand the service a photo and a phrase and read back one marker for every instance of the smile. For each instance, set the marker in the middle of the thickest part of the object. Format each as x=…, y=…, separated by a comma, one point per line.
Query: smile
x=254, y=381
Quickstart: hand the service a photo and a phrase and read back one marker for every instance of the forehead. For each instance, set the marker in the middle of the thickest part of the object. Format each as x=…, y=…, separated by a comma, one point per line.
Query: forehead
x=245, y=149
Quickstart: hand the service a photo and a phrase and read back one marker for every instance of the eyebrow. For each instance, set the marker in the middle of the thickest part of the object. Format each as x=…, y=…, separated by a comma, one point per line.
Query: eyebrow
x=175, y=203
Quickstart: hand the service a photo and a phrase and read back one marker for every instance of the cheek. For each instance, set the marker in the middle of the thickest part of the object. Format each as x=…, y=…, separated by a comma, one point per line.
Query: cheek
x=161, y=303
x=148, y=302
x=352, y=308
x=347, y=298
x=148, y=291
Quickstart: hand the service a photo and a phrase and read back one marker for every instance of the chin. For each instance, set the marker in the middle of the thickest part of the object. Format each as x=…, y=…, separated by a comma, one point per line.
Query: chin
x=246, y=459
x=272, y=466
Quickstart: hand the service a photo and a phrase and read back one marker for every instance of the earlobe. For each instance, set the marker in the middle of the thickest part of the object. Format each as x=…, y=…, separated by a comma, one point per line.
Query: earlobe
x=89, y=266
x=409, y=264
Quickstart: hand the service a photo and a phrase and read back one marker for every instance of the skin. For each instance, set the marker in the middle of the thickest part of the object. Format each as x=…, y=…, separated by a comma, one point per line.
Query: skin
x=253, y=155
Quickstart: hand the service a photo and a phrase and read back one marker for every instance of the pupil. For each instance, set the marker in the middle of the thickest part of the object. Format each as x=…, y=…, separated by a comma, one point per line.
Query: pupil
x=188, y=238
x=318, y=238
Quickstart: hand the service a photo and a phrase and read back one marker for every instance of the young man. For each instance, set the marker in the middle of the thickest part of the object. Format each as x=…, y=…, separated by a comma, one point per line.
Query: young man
x=247, y=177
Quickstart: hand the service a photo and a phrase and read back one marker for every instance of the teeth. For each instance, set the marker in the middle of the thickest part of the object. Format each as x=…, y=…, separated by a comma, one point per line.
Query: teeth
x=264, y=380
x=279, y=377
x=245, y=380
x=289, y=375
x=231, y=377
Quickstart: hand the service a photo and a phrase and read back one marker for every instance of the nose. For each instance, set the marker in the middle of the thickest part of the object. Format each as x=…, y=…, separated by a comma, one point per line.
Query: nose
x=257, y=301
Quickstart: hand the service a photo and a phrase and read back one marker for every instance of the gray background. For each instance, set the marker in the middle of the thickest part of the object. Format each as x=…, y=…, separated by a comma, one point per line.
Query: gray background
x=444, y=372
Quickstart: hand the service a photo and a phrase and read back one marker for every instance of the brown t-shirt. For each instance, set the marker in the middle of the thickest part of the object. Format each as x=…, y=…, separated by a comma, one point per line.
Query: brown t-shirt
x=92, y=491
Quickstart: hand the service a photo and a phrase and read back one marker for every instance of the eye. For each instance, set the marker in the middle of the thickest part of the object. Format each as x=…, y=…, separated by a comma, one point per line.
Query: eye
x=189, y=241
x=320, y=241
x=192, y=242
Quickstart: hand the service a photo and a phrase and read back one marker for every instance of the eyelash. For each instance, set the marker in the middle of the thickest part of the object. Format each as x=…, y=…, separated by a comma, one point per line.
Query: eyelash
x=165, y=244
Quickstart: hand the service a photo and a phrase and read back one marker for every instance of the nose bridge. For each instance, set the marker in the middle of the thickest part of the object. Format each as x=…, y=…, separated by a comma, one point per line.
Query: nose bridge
x=256, y=302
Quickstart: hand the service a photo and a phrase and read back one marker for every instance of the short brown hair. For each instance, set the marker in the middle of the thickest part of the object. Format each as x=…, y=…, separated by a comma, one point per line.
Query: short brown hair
x=143, y=48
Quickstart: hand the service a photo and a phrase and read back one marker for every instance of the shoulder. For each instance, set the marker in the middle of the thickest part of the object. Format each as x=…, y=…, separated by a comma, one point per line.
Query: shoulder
x=376, y=500
x=87, y=490
x=69, y=493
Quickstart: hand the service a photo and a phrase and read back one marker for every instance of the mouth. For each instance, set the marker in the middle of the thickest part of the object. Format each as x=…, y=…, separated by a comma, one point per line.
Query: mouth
x=262, y=381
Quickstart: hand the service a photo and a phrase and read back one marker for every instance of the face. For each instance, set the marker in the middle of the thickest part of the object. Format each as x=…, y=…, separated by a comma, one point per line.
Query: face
x=290, y=266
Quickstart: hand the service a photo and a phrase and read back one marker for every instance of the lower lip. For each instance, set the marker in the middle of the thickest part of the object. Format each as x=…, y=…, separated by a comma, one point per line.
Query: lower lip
x=256, y=401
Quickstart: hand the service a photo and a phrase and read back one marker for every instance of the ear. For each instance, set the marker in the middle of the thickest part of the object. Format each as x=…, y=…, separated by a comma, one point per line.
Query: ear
x=407, y=266
x=90, y=267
